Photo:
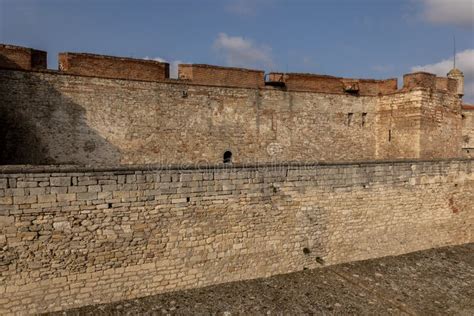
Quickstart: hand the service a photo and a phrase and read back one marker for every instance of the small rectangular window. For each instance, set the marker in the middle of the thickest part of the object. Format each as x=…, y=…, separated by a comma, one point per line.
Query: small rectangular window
x=364, y=117
x=349, y=118
x=389, y=135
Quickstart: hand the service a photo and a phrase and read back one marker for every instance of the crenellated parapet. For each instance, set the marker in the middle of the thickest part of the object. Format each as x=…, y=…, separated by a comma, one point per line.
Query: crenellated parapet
x=112, y=67
x=102, y=66
x=221, y=76
x=17, y=57
x=426, y=80
x=330, y=84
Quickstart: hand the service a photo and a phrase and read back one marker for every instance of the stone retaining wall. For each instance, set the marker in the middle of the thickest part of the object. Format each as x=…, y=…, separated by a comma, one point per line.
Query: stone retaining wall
x=73, y=236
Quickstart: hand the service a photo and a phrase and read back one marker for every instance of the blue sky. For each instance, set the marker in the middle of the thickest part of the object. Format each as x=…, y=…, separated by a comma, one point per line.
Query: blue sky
x=352, y=38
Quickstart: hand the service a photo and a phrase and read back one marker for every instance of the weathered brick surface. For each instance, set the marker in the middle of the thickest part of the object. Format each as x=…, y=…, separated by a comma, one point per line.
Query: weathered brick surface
x=446, y=84
x=113, y=67
x=330, y=84
x=419, y=80
x=16, y=57
x=429, y=81
x=149, y=230
x=221, y=76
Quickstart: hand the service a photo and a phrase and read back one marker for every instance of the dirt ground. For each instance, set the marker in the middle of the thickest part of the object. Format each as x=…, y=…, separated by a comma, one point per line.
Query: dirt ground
x=432, y=282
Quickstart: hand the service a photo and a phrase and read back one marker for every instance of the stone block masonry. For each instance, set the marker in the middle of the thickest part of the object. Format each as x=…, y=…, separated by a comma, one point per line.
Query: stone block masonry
x=85, y=120
x=468, y=130
x=72, y=236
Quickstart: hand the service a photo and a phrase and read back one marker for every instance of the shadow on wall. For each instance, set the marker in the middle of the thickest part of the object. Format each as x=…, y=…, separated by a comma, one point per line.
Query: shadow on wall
x=39, y=125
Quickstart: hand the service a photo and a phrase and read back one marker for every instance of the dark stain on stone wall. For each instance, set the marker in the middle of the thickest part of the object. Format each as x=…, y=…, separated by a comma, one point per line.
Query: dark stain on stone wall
x=19, y=142
x=29, y=131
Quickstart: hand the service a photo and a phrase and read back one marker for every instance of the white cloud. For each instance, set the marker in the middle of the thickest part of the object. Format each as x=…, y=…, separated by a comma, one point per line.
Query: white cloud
x=173, y=65
x=240, y=52
x=464, y=61
x=454, y=12
x=161, y=60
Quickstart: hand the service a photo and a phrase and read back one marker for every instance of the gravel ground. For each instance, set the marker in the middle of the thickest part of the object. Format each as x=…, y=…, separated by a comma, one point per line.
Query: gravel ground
x=432, y=282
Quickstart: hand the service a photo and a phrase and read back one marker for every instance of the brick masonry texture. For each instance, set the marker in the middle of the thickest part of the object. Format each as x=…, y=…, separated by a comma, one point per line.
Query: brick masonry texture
x=70, y=233
x=330, y=84
x=221, y=76
x=430, y=81
x=113, y=67
x=16, y=57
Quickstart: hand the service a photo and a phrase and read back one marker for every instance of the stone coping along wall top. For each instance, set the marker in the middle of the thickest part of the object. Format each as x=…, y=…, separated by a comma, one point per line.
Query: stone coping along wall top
x=11, y=169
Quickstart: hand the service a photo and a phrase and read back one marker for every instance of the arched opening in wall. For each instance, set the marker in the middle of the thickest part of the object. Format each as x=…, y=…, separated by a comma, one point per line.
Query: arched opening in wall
x=227, y=157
